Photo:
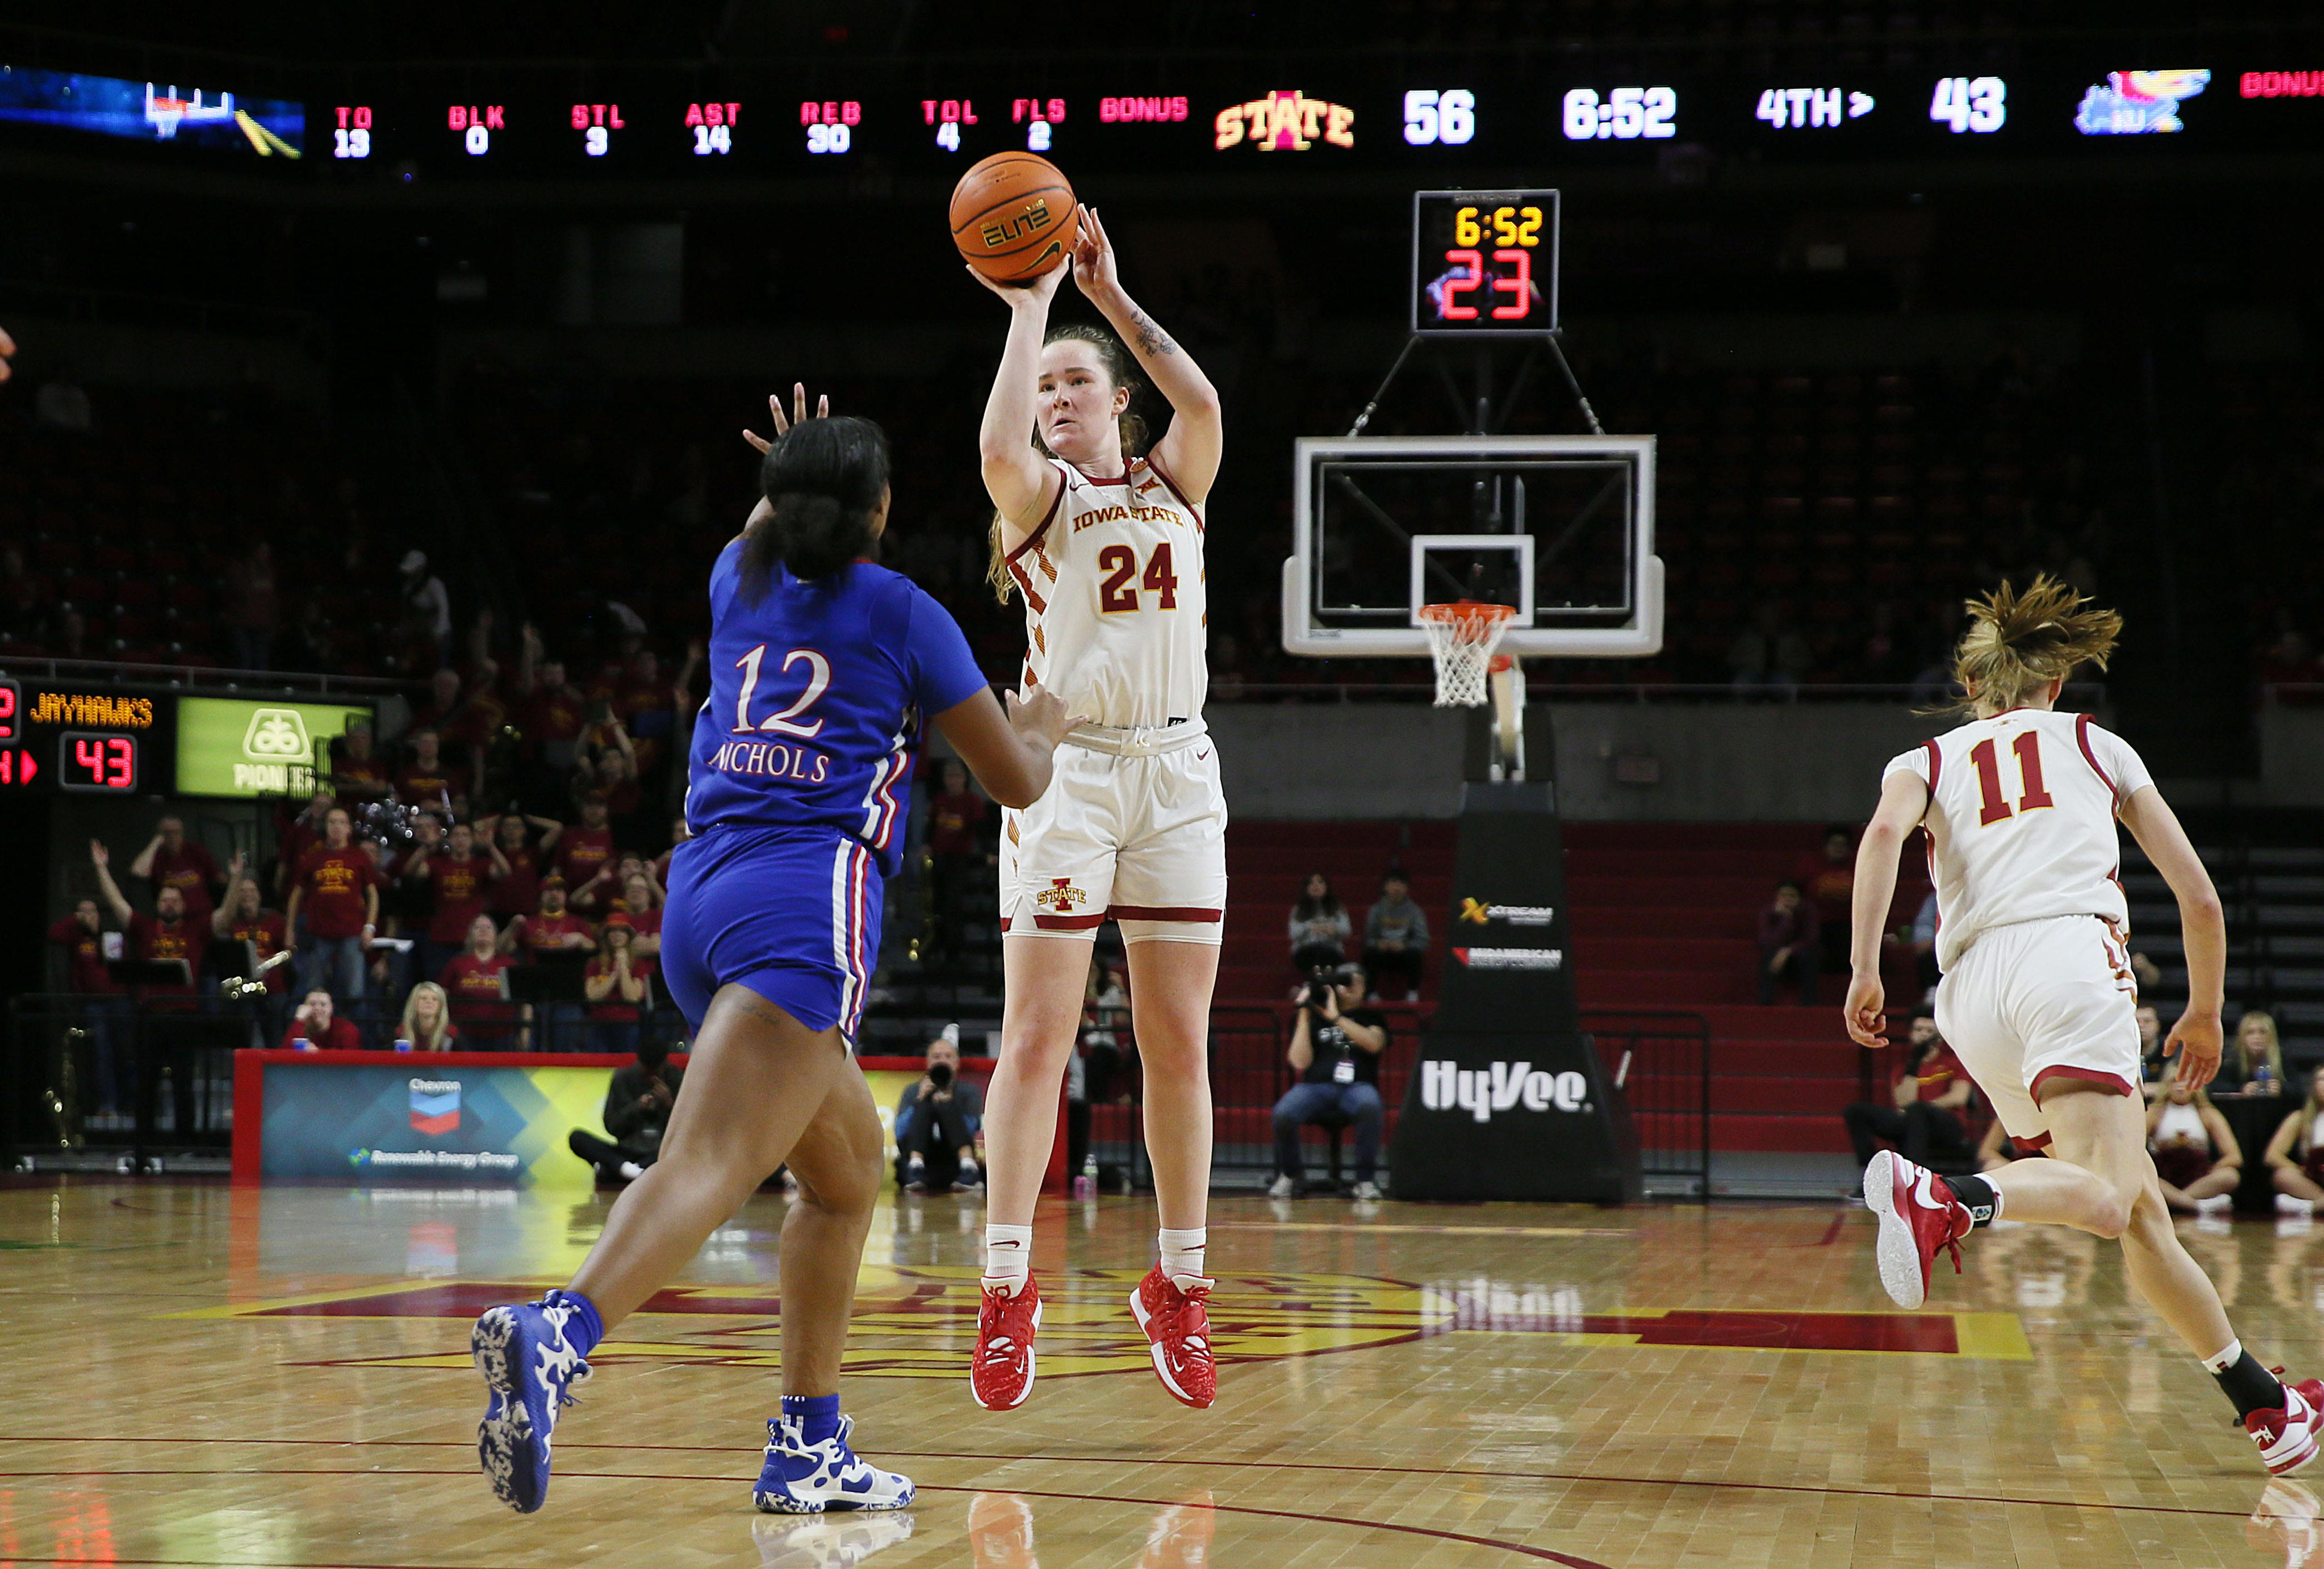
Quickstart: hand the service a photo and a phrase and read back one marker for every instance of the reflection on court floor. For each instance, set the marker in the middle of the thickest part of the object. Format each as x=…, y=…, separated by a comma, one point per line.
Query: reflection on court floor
x=280, y=1378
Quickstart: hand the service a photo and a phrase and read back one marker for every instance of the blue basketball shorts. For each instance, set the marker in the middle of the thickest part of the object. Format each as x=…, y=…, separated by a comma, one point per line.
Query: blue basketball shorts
x=794, y=915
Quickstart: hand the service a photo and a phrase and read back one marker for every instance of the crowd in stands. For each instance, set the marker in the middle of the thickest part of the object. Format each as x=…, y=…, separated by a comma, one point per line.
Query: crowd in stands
x=1395, y=948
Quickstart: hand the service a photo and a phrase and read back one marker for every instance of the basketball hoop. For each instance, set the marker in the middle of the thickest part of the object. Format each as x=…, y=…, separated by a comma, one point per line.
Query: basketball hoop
x=1462, y=637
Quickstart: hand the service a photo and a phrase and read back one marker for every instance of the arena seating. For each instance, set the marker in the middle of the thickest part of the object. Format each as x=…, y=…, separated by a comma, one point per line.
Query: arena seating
x=1662, y=917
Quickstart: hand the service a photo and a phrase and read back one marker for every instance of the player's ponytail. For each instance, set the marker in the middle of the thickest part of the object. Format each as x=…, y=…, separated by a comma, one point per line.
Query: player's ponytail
x=2017, y=643
x=1123, y=372
x=826, y=483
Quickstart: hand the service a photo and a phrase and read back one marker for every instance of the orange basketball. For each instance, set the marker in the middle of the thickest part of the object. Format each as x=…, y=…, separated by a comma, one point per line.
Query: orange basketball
x=1013, y=216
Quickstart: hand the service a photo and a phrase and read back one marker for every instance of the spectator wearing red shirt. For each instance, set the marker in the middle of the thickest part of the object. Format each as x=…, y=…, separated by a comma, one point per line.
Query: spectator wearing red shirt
x=169, y=933
x=552, y=928
x=1827, y=878
x=1924, y=1120
x=104, y=1009
x=428, y=780
x=459, y=880
x=478, y=983
x=1788, y=947
x=337, y=889
x=443, y=705
x=516, y=891
x=615, y=983
x=243, y=917
x=358, y=772
x=585, y=851
x=317, y=1027
x=639, y=906
x=171, y=860
x=294, y=836
x=955, y=850
x=609, y=764
x=549, y=711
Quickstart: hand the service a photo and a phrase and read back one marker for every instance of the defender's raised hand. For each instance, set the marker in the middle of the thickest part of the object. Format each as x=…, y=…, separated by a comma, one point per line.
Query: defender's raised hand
x=797, y=416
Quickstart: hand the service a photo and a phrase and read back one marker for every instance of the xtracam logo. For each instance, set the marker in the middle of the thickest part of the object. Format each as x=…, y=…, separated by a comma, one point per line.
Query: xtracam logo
x=1285, y=121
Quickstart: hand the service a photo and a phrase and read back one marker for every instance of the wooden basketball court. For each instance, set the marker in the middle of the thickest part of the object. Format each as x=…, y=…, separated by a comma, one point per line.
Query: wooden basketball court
x=219, y=1376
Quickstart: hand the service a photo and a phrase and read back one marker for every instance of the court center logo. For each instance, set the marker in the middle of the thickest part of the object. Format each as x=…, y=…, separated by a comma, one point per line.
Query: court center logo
x=1505, y=1087
x=435, y=1106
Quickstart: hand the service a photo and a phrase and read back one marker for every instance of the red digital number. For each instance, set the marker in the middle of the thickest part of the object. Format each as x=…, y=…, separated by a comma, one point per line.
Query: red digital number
x=88, y=756
x=8, y=697
x=1520, y=286
x=1120, y=565
x=1455, y=287
x=2032, y=795
x=121, y=755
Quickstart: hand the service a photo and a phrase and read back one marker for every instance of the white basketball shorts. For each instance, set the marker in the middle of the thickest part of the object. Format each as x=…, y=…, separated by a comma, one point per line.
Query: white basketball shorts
x=1139, y=838
x=2041, y=999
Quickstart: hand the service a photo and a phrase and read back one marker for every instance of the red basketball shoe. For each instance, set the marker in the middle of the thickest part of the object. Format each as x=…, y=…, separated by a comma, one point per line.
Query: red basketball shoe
x=1918, y=1215
x=1178, y=1324
x=2287, y=1435
x=1002, y=1373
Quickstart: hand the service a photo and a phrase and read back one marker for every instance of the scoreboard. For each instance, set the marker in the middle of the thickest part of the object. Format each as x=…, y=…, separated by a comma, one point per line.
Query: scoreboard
x=58, y=736
x=867, y=123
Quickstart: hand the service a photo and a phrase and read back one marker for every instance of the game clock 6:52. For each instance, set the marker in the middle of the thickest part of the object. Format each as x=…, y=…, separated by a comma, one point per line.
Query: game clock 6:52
x=1484, y=262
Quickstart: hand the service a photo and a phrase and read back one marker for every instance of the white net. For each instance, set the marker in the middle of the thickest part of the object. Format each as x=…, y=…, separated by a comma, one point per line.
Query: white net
x=1462, y=637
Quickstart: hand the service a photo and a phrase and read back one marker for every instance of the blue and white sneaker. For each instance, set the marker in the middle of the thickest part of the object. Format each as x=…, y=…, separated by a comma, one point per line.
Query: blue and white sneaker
x=530, y=1355
x=807, y=1479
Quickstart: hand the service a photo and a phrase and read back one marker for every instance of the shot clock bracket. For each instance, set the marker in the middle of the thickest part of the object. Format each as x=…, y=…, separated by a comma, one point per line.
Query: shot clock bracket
x=1508, y=1099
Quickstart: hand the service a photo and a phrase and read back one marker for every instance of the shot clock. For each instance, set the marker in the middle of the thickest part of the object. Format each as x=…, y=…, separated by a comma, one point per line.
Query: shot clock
x=1484, y=262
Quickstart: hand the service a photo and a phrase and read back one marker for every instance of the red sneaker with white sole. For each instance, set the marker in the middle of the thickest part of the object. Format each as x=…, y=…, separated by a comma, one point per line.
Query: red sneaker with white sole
x=1178, y=1324
x=1919, y=1216
x=2287, y=1435
x=1001, y=1374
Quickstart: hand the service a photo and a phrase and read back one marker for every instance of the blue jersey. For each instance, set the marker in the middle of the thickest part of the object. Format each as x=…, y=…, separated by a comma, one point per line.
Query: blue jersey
x=816, y=694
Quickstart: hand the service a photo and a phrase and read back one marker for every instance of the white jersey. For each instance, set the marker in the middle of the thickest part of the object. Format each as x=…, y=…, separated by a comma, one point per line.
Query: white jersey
x=1115, y=600
x=2021, y=822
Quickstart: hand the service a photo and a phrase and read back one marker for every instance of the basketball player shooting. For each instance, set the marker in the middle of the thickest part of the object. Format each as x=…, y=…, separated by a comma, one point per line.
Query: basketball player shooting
x=1106, y=547
x=2038, y=997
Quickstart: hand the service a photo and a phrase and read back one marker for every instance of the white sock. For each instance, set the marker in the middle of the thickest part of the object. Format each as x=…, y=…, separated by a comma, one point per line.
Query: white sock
x=2223, y=1361
x=2214, y=1204
x=1182, y=1254
x=1008, y=1257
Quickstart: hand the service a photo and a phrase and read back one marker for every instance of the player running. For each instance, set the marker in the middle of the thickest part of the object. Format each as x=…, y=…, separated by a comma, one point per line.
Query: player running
x=1106, y=547
x=2038, y=1000
x=821, y=666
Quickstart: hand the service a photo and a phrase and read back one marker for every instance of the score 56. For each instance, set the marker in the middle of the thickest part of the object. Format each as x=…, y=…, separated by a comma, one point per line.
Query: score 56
x=1430, y=117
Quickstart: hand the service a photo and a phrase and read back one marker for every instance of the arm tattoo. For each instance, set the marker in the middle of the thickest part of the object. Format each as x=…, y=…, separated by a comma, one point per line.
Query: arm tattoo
x=1151, y=338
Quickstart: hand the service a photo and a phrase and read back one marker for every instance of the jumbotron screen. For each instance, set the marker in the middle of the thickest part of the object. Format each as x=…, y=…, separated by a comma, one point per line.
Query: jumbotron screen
x=1561, y=116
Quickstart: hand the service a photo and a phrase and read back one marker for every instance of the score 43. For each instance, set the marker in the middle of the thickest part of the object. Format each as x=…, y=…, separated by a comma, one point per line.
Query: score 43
x=1514, y=233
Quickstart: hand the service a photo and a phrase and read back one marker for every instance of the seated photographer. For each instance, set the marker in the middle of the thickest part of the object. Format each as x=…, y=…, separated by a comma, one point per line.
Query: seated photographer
x=637, y=1112
x=937, y=1121
x=1789, y=947
x=1925, y=1123
x=2197, y=1159
x=1336, y=1049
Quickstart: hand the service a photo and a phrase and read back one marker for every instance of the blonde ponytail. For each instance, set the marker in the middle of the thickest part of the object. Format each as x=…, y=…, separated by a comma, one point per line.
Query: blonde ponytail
x=2017, y=643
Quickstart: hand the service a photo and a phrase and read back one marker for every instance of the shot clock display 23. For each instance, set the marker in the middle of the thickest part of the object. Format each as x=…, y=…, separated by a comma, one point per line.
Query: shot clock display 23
x=1484, y=262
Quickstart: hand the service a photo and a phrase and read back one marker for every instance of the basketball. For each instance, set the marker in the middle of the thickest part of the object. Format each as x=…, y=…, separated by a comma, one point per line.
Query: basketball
x=1013, y=216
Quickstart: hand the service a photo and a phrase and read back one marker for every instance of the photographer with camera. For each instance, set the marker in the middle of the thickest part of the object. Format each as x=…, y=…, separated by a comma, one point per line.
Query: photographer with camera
x=1930, y=1094
x=1336, y=1049
x=637, y=1112
x=938, y=1120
